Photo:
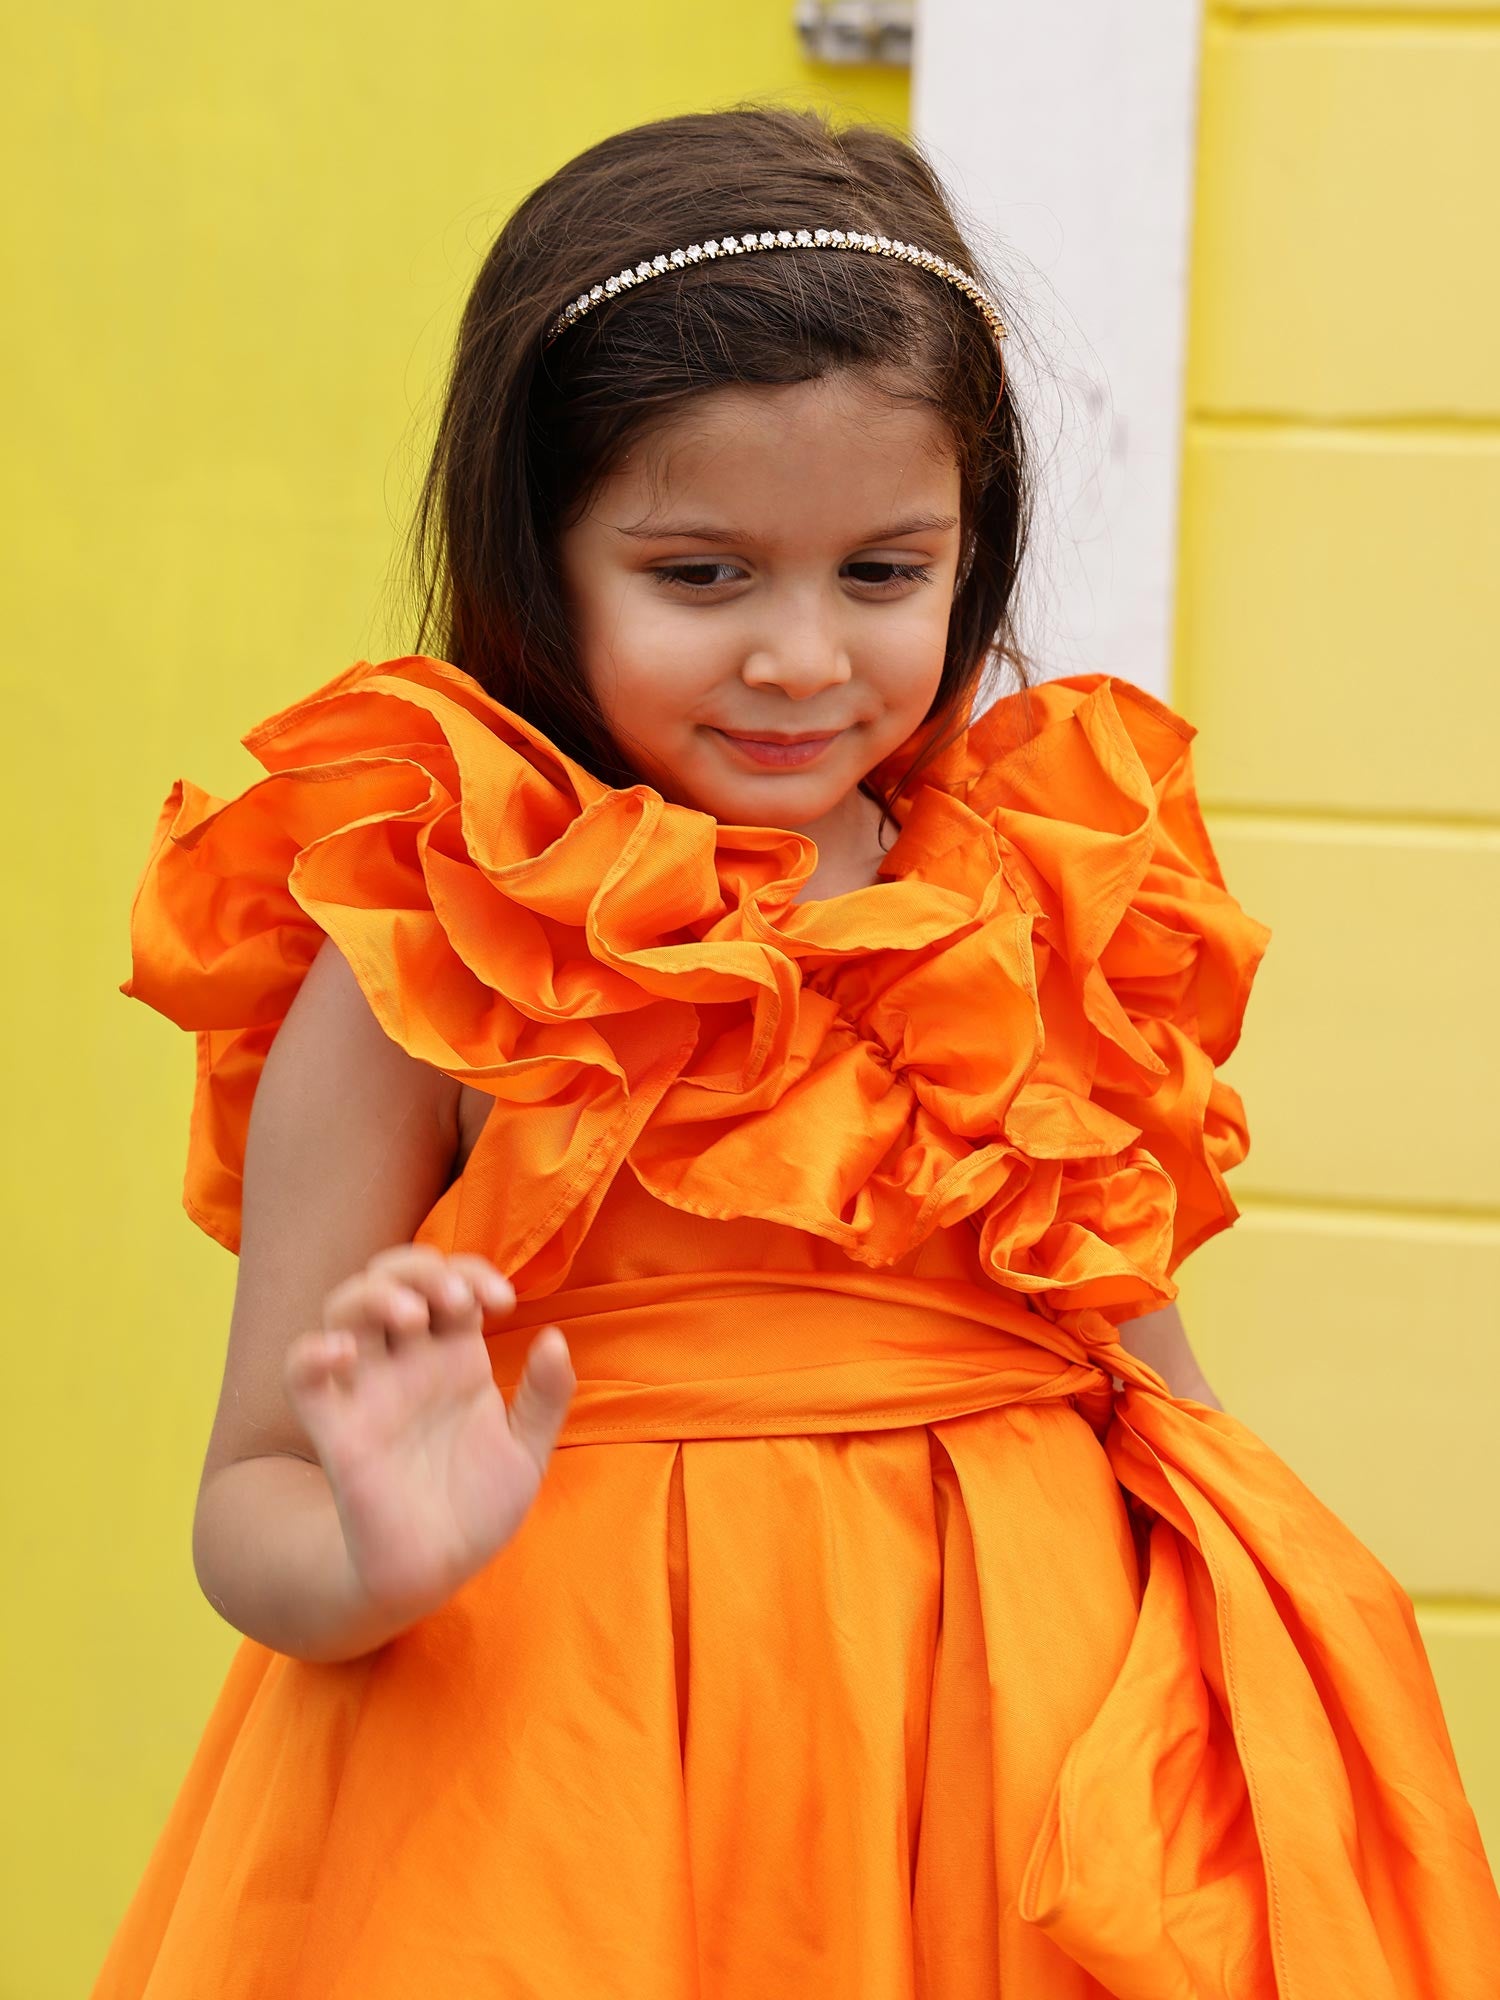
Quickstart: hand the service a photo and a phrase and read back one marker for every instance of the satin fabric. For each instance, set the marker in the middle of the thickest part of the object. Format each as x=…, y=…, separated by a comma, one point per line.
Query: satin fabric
x=882, y=1626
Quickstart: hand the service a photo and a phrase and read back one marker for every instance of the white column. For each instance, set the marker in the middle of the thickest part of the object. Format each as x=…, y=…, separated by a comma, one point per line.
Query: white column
x=1065, y=131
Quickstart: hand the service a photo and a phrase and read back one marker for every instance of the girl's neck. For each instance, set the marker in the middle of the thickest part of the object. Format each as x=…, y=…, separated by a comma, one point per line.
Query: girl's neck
x=849, y=849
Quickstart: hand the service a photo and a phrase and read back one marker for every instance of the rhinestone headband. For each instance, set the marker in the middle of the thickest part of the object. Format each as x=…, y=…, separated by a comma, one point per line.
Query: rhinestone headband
x=780, y=239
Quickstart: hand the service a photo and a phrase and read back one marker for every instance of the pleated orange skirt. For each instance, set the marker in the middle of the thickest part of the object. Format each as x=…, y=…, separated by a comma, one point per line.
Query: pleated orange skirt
x=856, y=1645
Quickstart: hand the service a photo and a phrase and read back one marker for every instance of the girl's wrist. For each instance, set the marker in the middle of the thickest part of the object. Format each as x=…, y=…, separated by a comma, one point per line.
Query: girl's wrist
x=273, y=1560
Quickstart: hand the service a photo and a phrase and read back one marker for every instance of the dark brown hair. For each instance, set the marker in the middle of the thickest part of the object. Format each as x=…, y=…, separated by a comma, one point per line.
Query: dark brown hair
x=529, y=429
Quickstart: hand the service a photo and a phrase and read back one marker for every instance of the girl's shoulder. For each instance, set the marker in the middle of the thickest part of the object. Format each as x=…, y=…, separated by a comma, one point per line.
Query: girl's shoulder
x=1017, y=1025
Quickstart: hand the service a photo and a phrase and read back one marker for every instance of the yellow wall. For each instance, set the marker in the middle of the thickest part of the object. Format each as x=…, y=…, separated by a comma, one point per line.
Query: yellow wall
x=244, y=238
x=1338, y=604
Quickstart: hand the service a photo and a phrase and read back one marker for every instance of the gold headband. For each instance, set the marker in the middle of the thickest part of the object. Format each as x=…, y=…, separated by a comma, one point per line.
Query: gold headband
x=780, y=239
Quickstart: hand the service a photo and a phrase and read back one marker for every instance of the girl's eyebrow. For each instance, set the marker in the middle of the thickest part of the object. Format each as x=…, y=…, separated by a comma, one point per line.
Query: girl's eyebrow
x=707, y=531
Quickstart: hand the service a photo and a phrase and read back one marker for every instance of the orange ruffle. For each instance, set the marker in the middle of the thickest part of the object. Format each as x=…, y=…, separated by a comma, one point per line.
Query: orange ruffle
x=638, y=982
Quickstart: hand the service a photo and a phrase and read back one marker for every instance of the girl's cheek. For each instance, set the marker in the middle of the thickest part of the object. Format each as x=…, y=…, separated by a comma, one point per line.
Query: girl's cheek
x=908, y=647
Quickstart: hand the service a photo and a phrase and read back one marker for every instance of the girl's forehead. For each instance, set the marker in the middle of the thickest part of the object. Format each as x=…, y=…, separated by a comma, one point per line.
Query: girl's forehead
x=880, y=407
x=786, y=443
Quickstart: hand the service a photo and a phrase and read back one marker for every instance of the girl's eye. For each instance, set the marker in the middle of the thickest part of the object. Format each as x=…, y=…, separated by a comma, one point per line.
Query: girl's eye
x=889, y=575
x=695, y=576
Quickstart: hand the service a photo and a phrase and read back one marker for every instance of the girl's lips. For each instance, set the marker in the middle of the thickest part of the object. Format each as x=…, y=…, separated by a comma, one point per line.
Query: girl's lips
x=762, y=750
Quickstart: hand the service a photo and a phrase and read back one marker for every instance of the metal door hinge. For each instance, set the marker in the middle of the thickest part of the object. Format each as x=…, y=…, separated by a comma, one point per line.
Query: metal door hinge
x=856, y=31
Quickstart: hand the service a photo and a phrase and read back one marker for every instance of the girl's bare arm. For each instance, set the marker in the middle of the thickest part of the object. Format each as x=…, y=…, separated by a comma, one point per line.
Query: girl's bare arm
x=351, y=1141
x=1160, y=1340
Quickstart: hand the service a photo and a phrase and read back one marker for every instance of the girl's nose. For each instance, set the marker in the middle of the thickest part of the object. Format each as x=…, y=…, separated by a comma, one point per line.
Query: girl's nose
x=802, y=660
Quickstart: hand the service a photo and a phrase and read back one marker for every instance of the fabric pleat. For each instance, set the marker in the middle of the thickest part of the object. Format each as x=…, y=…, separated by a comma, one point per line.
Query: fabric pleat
x=956, y=1939
x=883, y=1629
x=815, y=1732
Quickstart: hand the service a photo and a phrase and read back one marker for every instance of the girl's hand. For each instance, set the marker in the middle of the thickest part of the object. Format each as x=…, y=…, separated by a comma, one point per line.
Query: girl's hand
x=430, y=1472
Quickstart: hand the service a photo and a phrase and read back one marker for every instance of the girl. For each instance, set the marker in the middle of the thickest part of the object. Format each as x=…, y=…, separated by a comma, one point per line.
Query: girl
x=714, y=1490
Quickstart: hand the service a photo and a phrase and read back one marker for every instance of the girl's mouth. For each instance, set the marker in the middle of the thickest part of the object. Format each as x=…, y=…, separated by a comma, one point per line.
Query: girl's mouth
x=765, y=750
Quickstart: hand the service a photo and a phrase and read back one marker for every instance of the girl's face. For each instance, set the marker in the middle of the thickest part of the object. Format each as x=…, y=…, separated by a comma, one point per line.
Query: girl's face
x=773, y=563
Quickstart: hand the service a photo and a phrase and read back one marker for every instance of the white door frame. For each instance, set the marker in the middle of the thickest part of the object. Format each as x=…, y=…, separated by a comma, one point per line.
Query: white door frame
x=1066, y=133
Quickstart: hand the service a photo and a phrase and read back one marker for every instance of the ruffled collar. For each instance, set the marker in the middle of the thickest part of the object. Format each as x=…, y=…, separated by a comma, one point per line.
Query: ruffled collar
x=1017, y=1027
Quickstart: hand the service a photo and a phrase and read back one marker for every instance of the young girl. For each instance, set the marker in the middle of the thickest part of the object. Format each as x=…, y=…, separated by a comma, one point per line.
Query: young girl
x=690, y=1471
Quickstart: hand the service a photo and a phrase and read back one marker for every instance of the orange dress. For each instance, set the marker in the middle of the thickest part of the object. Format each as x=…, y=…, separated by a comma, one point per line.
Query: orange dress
x=883, y=1629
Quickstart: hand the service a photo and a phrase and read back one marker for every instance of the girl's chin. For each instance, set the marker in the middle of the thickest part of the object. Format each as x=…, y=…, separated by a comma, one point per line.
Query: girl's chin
x=789, y=799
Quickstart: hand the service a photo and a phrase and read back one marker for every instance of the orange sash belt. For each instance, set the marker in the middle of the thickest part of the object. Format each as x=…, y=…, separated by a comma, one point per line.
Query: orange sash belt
x=749, y=1353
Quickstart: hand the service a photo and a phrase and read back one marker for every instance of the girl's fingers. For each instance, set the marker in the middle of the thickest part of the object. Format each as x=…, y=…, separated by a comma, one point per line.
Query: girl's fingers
x=379, y=1306
x=540, y=1403
x=452, y=1286
x=321, y=1360
x=449, y=1295
x=411, y=1290
x=492, y=1288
